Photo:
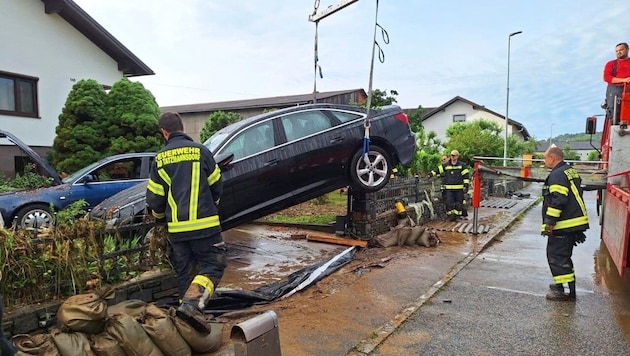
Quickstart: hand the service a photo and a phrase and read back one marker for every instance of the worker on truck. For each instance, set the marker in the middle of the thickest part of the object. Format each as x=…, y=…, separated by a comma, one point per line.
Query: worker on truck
x=616, y=74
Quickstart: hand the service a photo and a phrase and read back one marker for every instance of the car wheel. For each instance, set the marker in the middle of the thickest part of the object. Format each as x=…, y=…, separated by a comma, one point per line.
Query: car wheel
x=35, y=216
x=370, y=172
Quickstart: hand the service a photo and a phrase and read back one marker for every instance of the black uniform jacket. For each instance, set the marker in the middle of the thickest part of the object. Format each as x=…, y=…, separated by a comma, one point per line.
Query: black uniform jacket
x=456, y=175
x=563, y=205
x=184, y=189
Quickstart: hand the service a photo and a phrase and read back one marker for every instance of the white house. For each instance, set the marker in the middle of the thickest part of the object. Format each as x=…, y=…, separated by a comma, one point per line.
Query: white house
x=48, y=45
x=460, y=109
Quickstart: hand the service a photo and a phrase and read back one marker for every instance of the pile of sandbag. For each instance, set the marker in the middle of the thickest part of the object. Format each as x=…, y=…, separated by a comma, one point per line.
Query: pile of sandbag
x=87, y=326
x=408, y=236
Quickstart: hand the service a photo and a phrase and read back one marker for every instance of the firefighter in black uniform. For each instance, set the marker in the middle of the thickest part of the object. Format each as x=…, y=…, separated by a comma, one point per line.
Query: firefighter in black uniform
x=564, y=222
x=183, y=191
x=456, y=181
x=440, y=173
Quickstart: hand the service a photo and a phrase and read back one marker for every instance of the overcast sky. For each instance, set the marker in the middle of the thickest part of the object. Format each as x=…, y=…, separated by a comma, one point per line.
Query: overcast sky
x=220, y=50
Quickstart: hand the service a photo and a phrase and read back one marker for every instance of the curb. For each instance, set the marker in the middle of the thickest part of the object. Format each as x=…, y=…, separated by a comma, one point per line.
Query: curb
x=380, y=334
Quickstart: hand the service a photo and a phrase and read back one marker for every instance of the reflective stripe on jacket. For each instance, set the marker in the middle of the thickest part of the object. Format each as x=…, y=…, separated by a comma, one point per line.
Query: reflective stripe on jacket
x=184, y=187
x=563, y=205
x=456, y=176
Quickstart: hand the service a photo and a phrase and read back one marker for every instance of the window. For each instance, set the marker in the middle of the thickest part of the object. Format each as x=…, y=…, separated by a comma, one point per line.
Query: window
x=251, y=141
x=18, y=95
x=345, y=116
x=459, y=118
x=304, y=124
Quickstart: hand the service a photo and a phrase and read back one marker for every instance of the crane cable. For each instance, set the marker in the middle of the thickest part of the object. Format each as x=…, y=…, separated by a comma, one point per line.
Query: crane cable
x=381, y=57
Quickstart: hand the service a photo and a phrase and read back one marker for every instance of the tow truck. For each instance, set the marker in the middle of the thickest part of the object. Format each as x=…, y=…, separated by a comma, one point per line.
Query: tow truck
x=613, y=196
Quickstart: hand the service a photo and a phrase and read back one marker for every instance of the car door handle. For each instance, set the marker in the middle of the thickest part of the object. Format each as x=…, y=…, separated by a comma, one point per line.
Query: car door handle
x=272, y=162
x=337, y=140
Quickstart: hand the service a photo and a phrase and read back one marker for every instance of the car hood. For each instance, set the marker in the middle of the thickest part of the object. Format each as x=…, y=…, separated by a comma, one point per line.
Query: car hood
x=41, y=163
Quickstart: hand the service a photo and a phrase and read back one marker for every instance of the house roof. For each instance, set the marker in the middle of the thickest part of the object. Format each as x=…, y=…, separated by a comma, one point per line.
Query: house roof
x=128, y=63
x=574, y=145
x=520, y=127
x=276, y=101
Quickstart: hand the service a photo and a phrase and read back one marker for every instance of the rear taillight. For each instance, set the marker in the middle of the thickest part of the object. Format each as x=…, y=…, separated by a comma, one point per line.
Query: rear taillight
x=402, y=117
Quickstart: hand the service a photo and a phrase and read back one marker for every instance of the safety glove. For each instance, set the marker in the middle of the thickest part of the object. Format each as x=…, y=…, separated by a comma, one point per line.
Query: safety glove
x=548, y=230
x=579, y=238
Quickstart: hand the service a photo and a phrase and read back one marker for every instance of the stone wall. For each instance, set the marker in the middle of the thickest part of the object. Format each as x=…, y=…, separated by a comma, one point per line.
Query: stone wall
x=38, y=318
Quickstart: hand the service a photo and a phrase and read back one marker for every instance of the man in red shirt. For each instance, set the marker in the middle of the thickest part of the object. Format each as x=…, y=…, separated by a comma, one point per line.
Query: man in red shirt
x=616, y=74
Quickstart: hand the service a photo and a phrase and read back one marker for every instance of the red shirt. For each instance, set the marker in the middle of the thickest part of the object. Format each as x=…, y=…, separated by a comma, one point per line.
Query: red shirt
x=623, y=70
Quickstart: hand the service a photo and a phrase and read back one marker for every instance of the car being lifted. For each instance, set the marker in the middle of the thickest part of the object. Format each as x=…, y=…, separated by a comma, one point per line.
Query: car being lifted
x=282, y=158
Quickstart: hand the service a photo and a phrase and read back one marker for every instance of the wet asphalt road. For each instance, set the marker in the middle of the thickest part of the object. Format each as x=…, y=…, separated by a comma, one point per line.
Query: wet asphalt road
x=496, y=304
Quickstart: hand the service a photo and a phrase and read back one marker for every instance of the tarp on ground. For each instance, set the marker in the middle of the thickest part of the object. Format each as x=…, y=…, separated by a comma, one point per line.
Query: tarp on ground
x=224, y=301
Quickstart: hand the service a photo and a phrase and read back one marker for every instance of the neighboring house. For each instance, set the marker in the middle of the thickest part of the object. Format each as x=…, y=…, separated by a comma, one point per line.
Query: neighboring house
x=47, y=46
x=196, y=115
x=582, y=148
x=459, y=109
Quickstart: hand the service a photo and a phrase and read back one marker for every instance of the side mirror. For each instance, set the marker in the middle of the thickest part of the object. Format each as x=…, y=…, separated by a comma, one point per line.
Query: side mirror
x=223, y=160
x=591, y=125
x=88, y=179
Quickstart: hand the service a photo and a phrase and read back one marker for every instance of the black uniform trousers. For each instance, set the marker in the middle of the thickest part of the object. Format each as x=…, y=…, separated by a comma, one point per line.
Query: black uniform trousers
x=210, y=256
x=559, y=252
x=454, y=202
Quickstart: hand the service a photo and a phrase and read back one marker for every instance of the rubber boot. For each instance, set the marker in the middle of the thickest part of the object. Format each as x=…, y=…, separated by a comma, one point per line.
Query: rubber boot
x=572, y=289
x=194, y=302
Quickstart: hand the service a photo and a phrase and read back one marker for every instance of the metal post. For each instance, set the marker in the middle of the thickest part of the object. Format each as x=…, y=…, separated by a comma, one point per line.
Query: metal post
x=507, y=99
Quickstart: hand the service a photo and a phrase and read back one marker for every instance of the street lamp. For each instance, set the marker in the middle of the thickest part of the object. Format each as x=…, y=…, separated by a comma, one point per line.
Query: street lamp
x=507, y=99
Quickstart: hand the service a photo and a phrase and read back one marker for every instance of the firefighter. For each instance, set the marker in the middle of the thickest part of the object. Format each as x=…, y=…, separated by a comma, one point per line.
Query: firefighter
x=564, y=222
x=440, y=173
x=456, y=181
x=183, y=191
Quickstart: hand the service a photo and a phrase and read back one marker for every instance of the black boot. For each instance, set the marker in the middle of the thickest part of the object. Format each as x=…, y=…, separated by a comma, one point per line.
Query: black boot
x=194, y=317
x=558, y=287
x=557, y=295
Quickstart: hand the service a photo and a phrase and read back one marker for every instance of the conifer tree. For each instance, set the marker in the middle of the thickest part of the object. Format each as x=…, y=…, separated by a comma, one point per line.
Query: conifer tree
x=132, y=119
x=80, y=140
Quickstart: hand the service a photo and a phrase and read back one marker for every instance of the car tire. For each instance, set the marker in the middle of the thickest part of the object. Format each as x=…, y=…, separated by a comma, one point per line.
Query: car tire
x=371, y=172
x=37, y=215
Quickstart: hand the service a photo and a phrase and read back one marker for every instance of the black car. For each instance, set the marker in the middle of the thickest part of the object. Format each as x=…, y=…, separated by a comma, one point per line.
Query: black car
x=282, y=158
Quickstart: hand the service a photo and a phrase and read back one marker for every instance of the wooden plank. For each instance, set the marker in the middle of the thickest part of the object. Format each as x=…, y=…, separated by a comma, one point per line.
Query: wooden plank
x=336, y=240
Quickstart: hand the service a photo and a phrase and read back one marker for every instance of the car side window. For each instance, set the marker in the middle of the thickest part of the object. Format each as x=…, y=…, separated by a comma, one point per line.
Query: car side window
x=303, y=124
x=251, y=141
x=345, y=116
x=119, y=170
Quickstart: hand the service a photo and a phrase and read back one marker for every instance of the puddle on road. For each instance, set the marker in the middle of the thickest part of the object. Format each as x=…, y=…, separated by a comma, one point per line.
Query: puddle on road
x=259, y=255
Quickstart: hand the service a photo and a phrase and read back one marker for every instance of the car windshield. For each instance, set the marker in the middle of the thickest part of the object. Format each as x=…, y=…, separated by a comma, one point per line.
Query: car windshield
x=215, y=140
x=74, y=176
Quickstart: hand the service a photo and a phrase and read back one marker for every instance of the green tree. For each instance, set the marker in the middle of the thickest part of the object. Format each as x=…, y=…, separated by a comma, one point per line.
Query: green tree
x=380, y=98
x=80, y=140
x=569, y=154
x=415, y=119
x=482, y=138
x=216, y=121
x=132, y=119
x=593, y=156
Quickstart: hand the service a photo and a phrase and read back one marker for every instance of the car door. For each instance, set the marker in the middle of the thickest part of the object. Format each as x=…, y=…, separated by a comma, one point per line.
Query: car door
x=257, y=173
x=313, y=144
x=108, y=179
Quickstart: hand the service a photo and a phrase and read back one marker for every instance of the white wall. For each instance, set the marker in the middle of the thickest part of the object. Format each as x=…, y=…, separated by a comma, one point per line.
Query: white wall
x=438, y=122
x=47, y=47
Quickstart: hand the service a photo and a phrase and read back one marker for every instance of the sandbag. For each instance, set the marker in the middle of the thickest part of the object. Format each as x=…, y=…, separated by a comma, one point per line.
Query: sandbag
x=104, y=344
x=84, y=313
x=131, y=336
x=403, y=235
x=39, y=344
x=161, y=329
x=429, y=238
x=133, y=307
x=387, y=239
x=416, y=231
x=198, y=342
x=72, y=343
